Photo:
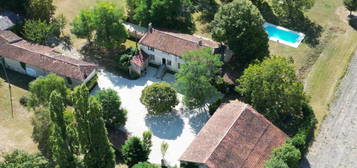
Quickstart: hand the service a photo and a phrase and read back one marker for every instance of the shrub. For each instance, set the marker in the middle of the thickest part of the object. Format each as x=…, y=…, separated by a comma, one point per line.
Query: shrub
x=145, y=165
x=24, y=100
x=21, y=159
x=275, y=163
x=133, y=151
x=147, y=143
x=92, y=82
x=113, y=115
x=159, y=98
x=286, y=153
x=134, y=75
x=124, y=62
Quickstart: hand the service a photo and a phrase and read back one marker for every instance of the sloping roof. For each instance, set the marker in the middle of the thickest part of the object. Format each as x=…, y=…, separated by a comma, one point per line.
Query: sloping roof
x=8, y=19
x=236, y=136
x=43, y=57
x=175, y=43
x=140, y=58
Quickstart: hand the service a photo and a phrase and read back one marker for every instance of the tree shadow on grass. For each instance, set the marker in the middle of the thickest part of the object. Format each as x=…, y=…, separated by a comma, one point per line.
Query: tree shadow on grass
x=267, y=12
x=303, y=24
x=166, y=126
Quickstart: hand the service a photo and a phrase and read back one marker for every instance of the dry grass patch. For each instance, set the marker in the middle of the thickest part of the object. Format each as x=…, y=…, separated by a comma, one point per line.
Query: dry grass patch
x=15, y=132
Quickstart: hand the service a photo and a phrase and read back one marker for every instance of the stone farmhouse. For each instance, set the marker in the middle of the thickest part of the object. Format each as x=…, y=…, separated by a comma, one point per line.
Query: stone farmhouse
x=37, y=60
x=164, y=48
x=235, y=136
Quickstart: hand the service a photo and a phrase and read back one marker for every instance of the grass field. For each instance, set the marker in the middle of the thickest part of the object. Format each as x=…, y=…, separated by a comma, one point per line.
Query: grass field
x=15, y=133
x=321, y=67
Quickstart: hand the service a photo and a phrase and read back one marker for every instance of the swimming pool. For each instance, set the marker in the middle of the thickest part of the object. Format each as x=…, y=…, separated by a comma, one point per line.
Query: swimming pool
x=283, y=35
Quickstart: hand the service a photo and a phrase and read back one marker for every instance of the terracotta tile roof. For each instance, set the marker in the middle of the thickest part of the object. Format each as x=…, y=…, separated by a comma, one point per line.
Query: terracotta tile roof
x=236, y=136
x=140, y=58
x=175, y=43
x=9, y=37
x=43, y=57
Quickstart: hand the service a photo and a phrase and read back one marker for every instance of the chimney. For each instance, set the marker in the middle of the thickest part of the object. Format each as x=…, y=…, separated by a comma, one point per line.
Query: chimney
x=200, y=43
x=150, y=27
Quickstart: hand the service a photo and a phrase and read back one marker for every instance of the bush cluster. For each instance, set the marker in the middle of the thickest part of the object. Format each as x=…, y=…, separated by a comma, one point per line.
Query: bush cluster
x=289, y=154
x=123, y=59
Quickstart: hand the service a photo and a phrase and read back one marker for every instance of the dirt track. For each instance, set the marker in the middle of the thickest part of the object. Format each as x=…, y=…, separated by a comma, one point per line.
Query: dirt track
x=336, y=144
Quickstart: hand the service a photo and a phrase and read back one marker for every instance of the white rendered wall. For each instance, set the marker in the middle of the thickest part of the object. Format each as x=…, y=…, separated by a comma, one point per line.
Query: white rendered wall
x=159, y=55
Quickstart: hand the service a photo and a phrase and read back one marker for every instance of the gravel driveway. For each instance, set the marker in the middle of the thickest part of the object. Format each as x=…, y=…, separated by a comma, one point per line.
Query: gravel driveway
x=336, y=144
x=178, y=128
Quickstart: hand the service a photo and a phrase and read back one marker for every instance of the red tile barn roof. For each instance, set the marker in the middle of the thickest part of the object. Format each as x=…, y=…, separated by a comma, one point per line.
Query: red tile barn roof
x=236, y=136
x=43, y=57
x=175, y=43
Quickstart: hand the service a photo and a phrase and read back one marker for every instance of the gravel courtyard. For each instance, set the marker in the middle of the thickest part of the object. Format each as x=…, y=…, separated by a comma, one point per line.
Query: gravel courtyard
x=336, y=144
x=178, y=128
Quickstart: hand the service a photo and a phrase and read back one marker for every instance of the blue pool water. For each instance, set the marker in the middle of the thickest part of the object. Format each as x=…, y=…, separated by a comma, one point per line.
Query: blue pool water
x=281, y=34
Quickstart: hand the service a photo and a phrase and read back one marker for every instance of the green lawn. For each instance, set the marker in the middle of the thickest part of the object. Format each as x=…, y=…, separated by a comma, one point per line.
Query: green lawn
x=15, y=132
x=321, y=67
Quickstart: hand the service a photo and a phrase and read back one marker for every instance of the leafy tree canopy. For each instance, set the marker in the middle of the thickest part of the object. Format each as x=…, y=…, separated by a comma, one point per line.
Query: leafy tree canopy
x=133, y=151
x=195, y=76
x=284, y=156
x=91, y=129
x=350, y=5
x=239, y=24
x=114, y=116
x=42, y=87
x=103, y=23
x=273, y=89
x=40, y=9
x=159, y=98
x=172, y=14
x=60, y=146
x=37, y=31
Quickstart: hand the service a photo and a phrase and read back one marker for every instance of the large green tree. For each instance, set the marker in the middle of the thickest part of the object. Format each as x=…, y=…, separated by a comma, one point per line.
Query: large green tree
x=288, y=10
x=273, y=88
x=42, y=87
x=171, y=14
x=239, y=24
x=159, y=98
x=114, y=116
x=195, y=77
x=40, y=91
x=92, y=132
x=350, y=5
x=103, y=22
x=61, y=150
